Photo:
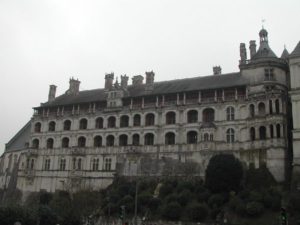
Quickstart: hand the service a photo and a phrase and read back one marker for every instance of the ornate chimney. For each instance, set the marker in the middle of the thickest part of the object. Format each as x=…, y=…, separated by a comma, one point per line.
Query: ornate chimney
x=109, y=78
x=52, y=93
x=217, y=70
x=149, y=81
x=243, y=53
x=74, y=87
x=137, y=80
x=124, y=82
x=252, y=48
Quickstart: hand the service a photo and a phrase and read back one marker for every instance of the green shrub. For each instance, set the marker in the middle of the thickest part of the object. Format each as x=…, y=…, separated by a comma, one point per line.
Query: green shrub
x=216, y=200
x=172, y=211
x=254, y=208
x=184, y=197
x=197, y=212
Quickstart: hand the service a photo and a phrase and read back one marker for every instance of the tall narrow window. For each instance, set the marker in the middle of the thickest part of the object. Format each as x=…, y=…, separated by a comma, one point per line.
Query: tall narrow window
x=81, y=142
x=192, y=137
x=271, y=106
x=37, y=127
x=97, y=141
x=67, y=125
x=79, y=164
x=170, y=138
x=83, y=124
x=110, y=140
x=149, y=139
x=251, y=111
x=262, y=133
x=65, y=142
x=150, y=119
x=111, y=122
x=230, y=135
x=95, y=164
x=271, y=131
x=277, y=107
x=136, y=140
x=124, y=121
x=35, y=143
x=62, y=165
x=107, y=164
x=230, y=113
x=170, y=118
x=50, y=143
x=47, y=164
x=206, y=137
x=278, y=135
x=123, y=139
x=269, y=74
x=99, y=123
x=208, y=115
x=261, y=109
x=252, y=133
x=137, y=120
x=51, y=126
x=192, y=116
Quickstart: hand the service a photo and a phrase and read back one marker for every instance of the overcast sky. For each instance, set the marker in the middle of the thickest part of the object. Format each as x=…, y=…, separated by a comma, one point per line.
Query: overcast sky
x=45, y=42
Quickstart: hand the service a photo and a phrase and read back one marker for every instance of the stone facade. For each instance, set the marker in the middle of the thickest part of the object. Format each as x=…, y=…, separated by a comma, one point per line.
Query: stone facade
x=82, y=139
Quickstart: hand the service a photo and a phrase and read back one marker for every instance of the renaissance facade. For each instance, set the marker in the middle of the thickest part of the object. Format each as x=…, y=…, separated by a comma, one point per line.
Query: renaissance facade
x=82, y=139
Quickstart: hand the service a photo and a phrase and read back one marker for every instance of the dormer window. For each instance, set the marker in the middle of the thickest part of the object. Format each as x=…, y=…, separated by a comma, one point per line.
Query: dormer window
x=269, y=74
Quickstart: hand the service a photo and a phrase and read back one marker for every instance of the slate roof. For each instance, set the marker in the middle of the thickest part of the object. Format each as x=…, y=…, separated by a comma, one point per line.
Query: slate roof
x=19, y=140
x=296, y=51
x=264, y=51
x=285, y=54
x=165, y=87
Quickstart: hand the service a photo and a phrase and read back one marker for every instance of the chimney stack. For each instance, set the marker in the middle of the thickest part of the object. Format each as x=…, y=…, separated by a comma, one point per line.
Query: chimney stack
x=149, y=81
x=124, y=82
x=52, y=93
x=243, y=53
x=109, y=78
x=252, y=48
x=137, y=80
x=217, y=70
x=74, y=86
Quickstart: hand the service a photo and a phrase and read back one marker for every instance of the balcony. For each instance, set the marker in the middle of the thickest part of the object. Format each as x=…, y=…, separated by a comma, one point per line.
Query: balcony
x=78, y=151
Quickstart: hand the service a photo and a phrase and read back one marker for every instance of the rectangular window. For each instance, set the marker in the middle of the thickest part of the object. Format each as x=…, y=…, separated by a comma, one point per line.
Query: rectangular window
x=62, y=165
x=95, y=164
x=107, y=165
x=269, y=74
x=47, y=164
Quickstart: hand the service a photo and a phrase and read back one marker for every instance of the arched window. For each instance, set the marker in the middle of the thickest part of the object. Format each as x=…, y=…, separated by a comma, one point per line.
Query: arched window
x=81, y=142
x=35, y=143
x=136, y=140
x=278, y=135
x=208, y=115
x=192, y=137
x=206, y=137
x=262, y=133
x=192, y=116
x=99, y=123
x=211, y=137
x=251, y=111
x=97, y=141
x=170, y=138
x=65, y=142
x=277, y=108
x=252, y=133
x=123, y=140
x=271, y=131
x=67, y=125
x=110, y=140
x=50, y=143
x=137, y=120
x=150, y=118
x=271, y=106
x=51, y=126
x=149, y=139
x=230, y=113
x=111, y=122
x=261, y=109
x=124, y=121
x=230, y=135
x=83, y=124
x=170, y=118
x=37, y=127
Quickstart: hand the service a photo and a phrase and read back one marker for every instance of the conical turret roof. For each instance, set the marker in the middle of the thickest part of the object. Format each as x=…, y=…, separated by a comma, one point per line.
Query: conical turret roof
x=296, y=51
x=285, y=54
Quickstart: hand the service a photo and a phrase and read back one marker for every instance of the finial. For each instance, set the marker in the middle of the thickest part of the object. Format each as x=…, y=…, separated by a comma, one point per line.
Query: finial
x=285, y=46
x=263, y=21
